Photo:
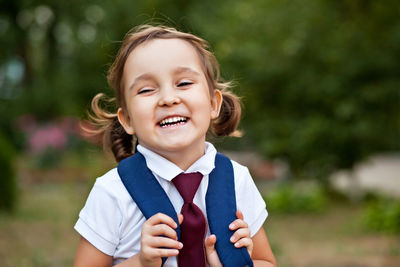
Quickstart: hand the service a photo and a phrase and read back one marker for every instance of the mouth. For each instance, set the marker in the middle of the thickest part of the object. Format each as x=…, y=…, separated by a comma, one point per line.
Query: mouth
x=173, y=121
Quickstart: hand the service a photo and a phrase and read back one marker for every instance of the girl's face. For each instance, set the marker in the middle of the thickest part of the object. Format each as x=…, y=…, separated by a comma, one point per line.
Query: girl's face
x=169, y=106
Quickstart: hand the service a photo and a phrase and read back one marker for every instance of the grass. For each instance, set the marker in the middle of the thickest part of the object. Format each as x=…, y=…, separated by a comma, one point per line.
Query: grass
x=40, y=232
x=333, y=234
x=333, y=238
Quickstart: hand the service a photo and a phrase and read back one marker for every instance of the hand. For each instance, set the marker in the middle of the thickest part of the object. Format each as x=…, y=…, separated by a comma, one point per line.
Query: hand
x=159, y=239
x=211, y=252
x=241, y=238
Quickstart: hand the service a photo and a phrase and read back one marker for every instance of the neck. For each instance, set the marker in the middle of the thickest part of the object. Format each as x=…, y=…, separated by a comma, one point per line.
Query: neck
x=185, y=163
x=184, y=158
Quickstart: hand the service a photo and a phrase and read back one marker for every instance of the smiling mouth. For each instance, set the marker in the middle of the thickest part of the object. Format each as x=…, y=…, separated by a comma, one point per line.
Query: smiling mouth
x=173, y=121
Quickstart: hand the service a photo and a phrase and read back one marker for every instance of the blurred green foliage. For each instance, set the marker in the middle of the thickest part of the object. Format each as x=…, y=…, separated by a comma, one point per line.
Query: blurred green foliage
x=320, y=79
x=8, y=185
x=292, y=198
x=383, y=215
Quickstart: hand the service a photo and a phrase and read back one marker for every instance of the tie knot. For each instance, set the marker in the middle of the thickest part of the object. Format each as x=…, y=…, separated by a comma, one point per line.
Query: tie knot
x=187, y=185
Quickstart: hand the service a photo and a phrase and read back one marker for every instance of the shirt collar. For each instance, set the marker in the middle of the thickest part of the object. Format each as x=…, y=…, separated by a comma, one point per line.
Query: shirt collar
x=168, y=170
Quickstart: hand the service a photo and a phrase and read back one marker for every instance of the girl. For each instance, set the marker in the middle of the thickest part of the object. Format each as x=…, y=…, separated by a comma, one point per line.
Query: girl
x=170, y=95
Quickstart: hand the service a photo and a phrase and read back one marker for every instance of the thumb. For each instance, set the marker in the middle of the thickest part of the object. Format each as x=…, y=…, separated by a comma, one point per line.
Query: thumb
x=180, y=218
x=211, y=252
x=210, y=243
x=239, y=215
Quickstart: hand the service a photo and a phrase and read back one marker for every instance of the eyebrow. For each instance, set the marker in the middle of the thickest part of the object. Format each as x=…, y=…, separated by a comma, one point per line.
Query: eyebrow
x=180, y=70
x=177, y=71
x=143, y=77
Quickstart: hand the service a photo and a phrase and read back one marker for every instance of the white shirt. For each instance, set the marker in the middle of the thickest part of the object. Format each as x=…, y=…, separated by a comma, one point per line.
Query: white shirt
x=112, y=222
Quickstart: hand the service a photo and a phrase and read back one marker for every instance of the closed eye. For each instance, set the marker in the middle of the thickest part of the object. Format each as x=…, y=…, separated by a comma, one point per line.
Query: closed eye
x=184, y=83
x=145, y=90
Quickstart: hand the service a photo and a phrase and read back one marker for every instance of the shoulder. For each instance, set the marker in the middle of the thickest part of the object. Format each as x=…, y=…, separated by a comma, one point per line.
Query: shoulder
x=110, y=184
x=109, y=180
x=241, y=173
x=101, y=218
x=239, y=168
x=110, y=201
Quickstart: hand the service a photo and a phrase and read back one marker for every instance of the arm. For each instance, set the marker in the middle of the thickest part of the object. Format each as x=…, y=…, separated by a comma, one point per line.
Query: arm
x=158, y=239
x=88, y=255
x=262, y=254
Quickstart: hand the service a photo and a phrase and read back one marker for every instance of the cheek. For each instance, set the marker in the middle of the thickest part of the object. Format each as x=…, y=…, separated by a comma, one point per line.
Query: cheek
x=138, y=114
x=201, y=102
x=204, y=110
x=201, y=96
x=139, y=117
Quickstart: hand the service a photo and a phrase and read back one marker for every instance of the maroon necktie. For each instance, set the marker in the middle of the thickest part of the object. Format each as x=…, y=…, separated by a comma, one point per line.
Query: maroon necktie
x=193, y=227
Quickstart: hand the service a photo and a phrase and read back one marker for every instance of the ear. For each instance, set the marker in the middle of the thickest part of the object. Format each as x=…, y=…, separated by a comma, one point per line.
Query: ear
x=125, y=121
x=216, y=102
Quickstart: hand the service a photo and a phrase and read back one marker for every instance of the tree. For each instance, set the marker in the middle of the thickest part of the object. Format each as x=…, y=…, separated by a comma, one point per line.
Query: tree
x=320, y=80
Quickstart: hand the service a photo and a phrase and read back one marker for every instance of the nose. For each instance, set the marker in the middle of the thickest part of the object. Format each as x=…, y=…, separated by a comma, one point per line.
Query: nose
x=168, y=97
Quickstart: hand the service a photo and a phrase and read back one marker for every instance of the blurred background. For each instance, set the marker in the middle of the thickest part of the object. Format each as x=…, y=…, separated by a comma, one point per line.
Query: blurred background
x=320, y=82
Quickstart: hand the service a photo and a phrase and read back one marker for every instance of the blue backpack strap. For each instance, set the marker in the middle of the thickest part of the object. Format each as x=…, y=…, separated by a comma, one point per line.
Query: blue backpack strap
x=145, y=190
x=221, y=211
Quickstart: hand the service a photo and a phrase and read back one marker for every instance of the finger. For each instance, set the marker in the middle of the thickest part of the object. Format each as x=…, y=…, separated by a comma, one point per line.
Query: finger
x=162, y=218
x=210, y=241
x=238, y=223
x=160, y=252
x=241, y=233
x=244, y=242
x=239, y=215
x=180, y=218
x=210, y=244
x=211, y=253
x=162, y=229
x=162, y=242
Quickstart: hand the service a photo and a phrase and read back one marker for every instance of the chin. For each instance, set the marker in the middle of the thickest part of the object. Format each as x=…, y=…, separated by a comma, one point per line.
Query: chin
x=178, y=145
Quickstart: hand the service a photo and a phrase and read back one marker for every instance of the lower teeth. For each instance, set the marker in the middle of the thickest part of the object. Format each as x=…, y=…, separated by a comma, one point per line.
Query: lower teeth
x=172, y=124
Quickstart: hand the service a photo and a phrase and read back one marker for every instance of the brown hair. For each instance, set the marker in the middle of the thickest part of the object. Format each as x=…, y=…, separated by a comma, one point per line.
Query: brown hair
x=106, y=125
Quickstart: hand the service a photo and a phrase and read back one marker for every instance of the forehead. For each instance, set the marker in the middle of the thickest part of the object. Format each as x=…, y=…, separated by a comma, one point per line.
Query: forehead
x=160, y=55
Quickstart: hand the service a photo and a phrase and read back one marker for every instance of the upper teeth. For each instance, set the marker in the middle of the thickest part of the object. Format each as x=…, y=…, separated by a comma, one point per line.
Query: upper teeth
x=172, y=120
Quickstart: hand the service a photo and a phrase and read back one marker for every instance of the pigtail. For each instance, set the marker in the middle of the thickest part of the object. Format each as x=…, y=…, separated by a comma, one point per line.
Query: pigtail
x=121, y=141
x=228, y=120
x=103, y=126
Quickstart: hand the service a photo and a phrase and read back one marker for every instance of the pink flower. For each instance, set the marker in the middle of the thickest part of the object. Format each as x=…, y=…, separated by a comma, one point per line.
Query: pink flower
x=69, y=125
x=50, y=136
x=54, y=134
